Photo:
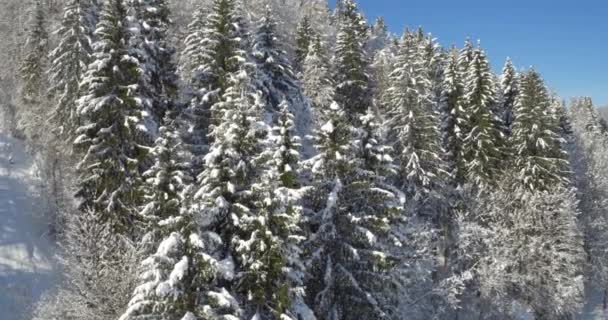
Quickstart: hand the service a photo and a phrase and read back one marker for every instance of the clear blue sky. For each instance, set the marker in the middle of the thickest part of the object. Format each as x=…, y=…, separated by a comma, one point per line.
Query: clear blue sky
x=566, y=40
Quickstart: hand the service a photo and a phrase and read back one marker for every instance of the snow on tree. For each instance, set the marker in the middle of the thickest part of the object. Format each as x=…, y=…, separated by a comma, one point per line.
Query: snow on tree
x=350, y=229
x=215, y=59
x=509, y=88
x=483, y=140
x=541, y=162
x=191, y=56
x=33, y=66
x=152, y=45
x=379, y=37
x=274, y=72
x=454, y=119
x=69, y=61
x=173, y=281
x=316, y=80
x=381, y=68
x=466, y=56
x=350, y=64
x=268, y=242
x=222, y=198
x=111, y=110
x=166, y=180
x=588, y=155
x=304, y=38
x=412, y=122
x=534, y=251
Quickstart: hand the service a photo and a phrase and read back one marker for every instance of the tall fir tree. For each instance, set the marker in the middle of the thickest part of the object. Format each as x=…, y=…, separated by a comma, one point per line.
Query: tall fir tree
x=541, y=161
x=153, y=47
x=412, y=121
x=509, y=88
x=69, y=61
x=316, y=79
x=191, y=56
x=455, y=119
x=274, y=71
x=350, y=63
x=111, y=109
x=216, y=58
x=304, y=38
x=223, y=199
x=175, y=269
x=483, y=140
x=269, y=242
x=351, y=227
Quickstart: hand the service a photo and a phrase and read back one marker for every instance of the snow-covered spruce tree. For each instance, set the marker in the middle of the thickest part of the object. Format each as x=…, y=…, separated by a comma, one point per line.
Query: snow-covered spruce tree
x=304, y=38
x=412, y=122
x=434, y=58
x=465, y=56
x=165, y=181
x=176, y=269
x=541, y=162
x=350, y=64
x=223, y=197
x=34, y=63
x=509, y=88
x=351, y=227
x=222, y=49
x=454, y=119
x=346, y=12
x=274, y=73
x=589, y=158
x=316, y=79
x=271, y=270
x=381, y=68
x=156, y=54
x=483, y=140
x=191, y=56
x=111, y=111
x=69, y=61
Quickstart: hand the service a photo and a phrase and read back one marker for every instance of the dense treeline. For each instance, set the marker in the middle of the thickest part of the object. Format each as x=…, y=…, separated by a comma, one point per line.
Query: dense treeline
x=266, y=159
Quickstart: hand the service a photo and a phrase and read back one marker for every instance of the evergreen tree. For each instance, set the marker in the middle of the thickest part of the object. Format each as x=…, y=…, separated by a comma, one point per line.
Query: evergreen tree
x=316, y=80
x=33, y=66
x=351, y=228
x=541, y=162
x=274, y=72
x=191, y=57
x=350, y=64
x=455, y=119
x=270, y=235
x=70, y=60
x=219, y=56
x=508, y=86
x=111, y=109
x=304, y=38
x=223, y=200
x=482, y=141
x=466, y=56
x=153, y=48
x=412, y=122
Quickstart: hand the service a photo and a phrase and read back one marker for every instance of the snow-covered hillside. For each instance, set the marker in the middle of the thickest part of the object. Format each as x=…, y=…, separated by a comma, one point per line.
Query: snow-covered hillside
x=26, y=254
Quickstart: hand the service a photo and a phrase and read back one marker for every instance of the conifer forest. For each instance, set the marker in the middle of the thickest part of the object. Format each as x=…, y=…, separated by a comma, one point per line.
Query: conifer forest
x=288, y=160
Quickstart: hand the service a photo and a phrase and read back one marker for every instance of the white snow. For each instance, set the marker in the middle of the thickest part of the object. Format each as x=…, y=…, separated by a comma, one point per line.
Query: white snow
x=26, y=260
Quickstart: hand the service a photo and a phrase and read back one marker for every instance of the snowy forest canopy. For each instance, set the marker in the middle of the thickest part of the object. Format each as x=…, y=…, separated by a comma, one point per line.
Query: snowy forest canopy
x=281, y=159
